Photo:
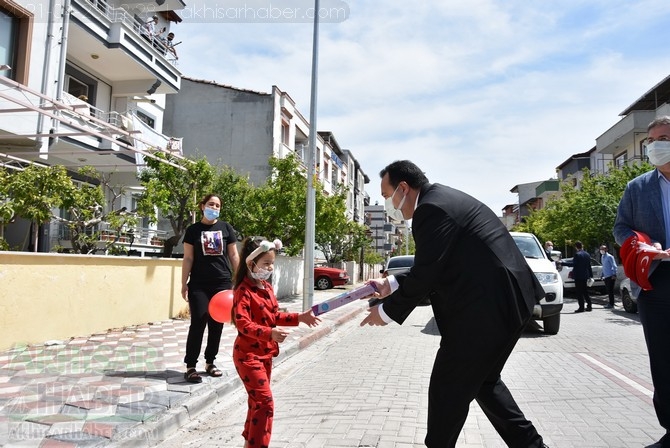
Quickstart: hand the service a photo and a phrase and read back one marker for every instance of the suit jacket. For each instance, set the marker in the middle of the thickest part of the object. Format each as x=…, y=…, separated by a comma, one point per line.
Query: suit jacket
x=466, y=261
x=641, y=209
x=581, y=265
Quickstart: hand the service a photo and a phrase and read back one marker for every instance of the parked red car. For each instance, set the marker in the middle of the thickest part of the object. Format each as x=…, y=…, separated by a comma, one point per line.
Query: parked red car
x=326, y=278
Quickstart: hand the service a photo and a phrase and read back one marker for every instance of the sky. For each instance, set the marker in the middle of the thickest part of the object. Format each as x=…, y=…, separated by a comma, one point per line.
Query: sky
x=483, y=95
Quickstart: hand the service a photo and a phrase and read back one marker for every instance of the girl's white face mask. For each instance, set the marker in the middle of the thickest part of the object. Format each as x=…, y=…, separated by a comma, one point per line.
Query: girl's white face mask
x=659, y=152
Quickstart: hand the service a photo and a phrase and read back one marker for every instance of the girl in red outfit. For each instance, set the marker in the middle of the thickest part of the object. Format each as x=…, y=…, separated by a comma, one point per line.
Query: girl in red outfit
x=256, y=316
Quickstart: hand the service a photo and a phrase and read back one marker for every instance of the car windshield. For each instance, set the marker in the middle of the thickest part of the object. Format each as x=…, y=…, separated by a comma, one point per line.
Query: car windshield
x=403, y=262
x=529, y=247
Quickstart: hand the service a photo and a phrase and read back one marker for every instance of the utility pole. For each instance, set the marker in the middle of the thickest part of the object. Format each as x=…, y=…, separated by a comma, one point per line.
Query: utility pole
x=310, y=218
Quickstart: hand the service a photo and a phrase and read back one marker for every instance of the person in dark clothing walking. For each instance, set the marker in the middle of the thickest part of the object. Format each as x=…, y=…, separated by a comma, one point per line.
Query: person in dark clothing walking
x=480, y=312
x=581, y=273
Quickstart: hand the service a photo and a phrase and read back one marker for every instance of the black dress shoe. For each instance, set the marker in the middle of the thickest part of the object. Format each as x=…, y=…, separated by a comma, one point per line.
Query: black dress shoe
x=588, y=308
x=580, y=310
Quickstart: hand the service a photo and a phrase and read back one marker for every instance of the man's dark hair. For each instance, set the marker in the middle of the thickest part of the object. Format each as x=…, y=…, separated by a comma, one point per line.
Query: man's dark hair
x=578, y=245
x=404, y=170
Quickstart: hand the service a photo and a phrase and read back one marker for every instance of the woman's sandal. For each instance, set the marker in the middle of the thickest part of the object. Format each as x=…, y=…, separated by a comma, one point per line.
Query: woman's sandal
x=192, y=376
x=212, y=370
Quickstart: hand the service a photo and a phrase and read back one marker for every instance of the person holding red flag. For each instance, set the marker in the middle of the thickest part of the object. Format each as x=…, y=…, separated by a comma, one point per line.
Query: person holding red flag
x=642, y=228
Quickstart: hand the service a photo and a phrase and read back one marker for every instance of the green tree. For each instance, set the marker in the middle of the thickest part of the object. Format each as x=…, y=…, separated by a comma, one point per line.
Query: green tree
x=332, y=230
x=281, y=205
x=238, y=206
x=586, y=214
x=35, y=191
x=85, y=208
x=174, y=189
x=6, y=206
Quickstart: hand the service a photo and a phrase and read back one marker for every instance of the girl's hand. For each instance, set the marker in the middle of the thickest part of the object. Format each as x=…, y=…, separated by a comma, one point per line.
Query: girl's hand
x=308, y=318
x=279, y=335
x=184, y=292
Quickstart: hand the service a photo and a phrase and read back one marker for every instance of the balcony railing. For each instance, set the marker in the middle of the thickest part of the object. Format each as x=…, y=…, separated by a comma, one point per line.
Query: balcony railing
x=120, y=15
x=142, y=236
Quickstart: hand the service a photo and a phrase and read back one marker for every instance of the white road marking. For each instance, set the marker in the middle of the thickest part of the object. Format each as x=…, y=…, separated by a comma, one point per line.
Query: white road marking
x=635, y=385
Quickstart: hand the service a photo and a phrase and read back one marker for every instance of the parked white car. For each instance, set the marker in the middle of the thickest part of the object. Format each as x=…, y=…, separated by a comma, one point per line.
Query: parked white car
x=628, y=300
x=596, y=267
x=549, y=308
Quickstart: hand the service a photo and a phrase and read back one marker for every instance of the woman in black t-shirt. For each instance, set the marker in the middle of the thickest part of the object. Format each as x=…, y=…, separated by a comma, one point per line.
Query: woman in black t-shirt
x=210, y=257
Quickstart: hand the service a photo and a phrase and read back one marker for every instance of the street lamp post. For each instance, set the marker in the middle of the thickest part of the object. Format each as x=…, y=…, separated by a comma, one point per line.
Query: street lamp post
x=310, y=218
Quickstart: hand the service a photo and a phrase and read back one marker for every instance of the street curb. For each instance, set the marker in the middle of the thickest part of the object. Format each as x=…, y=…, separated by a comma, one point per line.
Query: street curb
x=161, y=426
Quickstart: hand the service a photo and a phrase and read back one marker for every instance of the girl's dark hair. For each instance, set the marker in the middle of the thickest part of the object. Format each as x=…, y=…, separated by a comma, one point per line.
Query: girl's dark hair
x=206, y=199
x=249, y=244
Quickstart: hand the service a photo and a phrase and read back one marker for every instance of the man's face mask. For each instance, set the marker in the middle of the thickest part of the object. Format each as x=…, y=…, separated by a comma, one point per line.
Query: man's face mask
x=659, y=152
x=395, y=213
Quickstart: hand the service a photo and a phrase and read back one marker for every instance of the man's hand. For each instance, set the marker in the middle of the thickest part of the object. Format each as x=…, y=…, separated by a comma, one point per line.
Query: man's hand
x=382, y=287
x=373, y=319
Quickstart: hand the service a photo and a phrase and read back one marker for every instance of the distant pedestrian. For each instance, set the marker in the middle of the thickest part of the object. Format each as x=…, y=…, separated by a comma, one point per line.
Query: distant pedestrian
x=548, y=247
x=609, y=273
x=581, y=273
x=645, y=207
x=256, y=316
x=210, y=257
x=480, y=309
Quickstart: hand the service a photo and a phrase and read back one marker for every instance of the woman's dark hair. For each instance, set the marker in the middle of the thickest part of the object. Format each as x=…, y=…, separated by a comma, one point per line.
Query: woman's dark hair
x=206, y=199
x=404, y=170
x=249, y=244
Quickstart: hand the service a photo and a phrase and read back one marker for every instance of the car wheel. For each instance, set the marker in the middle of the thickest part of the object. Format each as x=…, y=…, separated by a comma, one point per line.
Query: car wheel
x=323, y=283
x=551, y=324
x=628, y=304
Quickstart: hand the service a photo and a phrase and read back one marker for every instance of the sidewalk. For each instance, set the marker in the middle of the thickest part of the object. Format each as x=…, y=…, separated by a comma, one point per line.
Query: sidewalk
x=125, y=386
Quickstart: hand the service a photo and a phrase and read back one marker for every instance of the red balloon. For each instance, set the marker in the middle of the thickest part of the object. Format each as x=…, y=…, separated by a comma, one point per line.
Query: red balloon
x=221, y=305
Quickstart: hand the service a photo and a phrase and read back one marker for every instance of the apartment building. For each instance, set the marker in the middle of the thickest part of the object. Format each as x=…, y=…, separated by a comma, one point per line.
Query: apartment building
x=83, y=83
x=242, y=129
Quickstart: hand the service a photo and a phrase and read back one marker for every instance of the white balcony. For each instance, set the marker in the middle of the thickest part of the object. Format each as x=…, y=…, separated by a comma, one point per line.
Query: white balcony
x=109, y=41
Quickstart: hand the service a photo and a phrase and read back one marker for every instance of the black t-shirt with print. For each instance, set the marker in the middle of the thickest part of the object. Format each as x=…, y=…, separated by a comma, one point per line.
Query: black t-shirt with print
x=210, y=252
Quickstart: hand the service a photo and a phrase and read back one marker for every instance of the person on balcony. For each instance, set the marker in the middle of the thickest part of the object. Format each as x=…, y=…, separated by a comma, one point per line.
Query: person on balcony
x=149, y=31
x=170, y=45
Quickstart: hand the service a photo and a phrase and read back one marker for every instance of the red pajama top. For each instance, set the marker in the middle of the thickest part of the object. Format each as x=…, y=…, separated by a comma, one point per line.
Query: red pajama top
x=256, y=314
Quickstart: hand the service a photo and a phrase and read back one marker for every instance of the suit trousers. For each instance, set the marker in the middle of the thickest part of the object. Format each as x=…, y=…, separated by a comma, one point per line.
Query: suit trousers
x=609, y=284
x=468, y=368
x=654, y=310
x=582, y=294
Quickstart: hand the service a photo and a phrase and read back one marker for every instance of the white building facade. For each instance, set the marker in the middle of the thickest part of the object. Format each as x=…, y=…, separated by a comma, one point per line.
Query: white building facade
x=82, y=83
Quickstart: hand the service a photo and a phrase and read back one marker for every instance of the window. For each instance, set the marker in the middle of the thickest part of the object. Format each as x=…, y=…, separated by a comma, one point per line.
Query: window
x=620, y=160
x=15, y=39
x=285, y=132
x=149, y=121
x=75, y=87
x=78, y=83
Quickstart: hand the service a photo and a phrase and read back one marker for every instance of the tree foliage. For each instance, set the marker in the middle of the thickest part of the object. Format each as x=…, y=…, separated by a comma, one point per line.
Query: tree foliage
x=35, y=191
x=238, y=206
x=86, y=207
x=586, y=214
x=174, y=190
x=281, y=205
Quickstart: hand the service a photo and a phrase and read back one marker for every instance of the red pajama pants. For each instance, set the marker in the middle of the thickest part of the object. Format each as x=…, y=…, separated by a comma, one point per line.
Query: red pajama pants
x=255, y=375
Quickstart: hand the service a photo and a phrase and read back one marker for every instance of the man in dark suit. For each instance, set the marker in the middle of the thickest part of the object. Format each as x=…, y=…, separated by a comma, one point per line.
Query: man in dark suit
x=644, y=208
x=480, y=311
x=581, y=273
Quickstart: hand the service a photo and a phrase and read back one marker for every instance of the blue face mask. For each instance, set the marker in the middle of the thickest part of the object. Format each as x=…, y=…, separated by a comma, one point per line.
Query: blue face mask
x=211, y=214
